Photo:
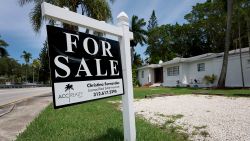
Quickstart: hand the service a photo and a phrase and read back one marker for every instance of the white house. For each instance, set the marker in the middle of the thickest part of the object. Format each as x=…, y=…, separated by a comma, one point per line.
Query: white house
x=191, y=71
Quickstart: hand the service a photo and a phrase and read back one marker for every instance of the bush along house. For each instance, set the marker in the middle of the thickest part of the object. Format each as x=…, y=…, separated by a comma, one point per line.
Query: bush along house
x=198, y=71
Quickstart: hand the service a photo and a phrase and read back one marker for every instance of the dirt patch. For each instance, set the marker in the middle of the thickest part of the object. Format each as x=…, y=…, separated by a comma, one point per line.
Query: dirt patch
x=158, y=95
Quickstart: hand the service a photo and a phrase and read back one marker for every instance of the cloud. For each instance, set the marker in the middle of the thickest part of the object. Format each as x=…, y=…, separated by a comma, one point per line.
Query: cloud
x=15, y=24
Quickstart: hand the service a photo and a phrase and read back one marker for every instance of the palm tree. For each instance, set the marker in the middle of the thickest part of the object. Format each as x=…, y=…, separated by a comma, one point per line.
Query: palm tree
x=223, y=74
x=98, y=9
x=137, y=60
x=139, y=33
x=26, y=56
x=3, y=45
x=36, y=65
x=240, y=15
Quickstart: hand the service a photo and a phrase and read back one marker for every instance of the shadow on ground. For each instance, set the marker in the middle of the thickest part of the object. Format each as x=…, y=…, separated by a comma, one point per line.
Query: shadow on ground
x=111, y=135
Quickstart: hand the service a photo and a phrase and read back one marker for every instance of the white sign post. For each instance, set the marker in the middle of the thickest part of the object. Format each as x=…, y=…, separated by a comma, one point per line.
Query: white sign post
x=122, y=31
x=127, y=99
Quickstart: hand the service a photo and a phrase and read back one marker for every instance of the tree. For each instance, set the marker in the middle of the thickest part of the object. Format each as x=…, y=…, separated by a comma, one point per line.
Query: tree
x=36, y=65
x=222, y=79
x=152, y=23
x=26, y=56
x=160, y=44
x=3, y=45
x=10, y=68
x=98, y=9
x=137, y=61
x=240, y=13
x=153, y=36
x=139, y=33
x=244, y=8
x=44, y=59
x=207, y=21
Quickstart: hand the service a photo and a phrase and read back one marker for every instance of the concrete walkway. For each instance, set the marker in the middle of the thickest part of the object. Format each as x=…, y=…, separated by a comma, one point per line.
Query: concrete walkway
x=22, y=114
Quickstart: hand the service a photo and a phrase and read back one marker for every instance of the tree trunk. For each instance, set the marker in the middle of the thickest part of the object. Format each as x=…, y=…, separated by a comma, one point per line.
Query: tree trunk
x=132, y=54
x=248, y=32
x=33, y=75
x=26, y=73
x=241, y=68
x=38, y=75
x=223, y=74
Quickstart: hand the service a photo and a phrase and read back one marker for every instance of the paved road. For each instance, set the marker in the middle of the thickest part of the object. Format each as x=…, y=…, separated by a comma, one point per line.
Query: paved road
x=12, y=95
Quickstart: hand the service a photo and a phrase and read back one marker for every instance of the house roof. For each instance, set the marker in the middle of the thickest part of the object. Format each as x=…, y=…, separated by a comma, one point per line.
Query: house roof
x=203, y=56
x=195, y=58
x=150, y=66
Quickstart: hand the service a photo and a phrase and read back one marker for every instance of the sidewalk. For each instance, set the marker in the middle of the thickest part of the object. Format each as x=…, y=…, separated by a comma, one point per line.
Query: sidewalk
x=22, y=114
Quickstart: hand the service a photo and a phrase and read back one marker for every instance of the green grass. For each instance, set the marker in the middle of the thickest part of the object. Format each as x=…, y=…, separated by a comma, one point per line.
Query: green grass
x=142, y=92
x=93, y=121
x=101, y=120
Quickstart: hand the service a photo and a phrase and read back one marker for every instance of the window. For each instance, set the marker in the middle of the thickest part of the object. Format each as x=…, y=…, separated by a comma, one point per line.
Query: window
x=142, y=74
x=248, y=61
x=201, y=67
x=173, y=71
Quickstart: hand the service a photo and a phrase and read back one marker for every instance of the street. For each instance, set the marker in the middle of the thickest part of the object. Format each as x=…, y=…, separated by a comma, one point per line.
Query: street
x=12, y=95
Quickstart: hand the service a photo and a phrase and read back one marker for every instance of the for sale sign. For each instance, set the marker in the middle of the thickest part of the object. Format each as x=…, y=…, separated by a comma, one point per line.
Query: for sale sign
x=83, y=67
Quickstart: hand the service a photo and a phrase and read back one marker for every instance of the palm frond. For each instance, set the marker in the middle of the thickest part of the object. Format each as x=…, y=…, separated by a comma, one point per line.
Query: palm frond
x=3, y=52
x=3, y=43
x=23, y=2
x=36, y=17
x=97, y=9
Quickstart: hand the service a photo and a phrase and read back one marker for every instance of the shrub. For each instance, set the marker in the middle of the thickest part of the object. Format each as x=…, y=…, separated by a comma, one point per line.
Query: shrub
x=210, y=79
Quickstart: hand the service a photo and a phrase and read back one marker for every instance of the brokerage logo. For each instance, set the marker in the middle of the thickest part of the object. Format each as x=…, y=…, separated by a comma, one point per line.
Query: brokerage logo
x=68, y=87
x=71, y=94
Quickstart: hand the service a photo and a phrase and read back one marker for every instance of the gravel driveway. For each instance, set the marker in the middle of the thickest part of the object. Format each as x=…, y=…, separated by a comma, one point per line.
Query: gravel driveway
x=215, y=118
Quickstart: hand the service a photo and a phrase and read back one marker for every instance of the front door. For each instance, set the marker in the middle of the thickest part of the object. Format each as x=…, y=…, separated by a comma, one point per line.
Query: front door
x=158, y=75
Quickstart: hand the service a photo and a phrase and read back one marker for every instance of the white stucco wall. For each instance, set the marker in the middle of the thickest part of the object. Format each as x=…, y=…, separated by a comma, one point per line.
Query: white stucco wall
x=148, y=76
x=171, y=80
x=151, y=76
x=212, y=66
x=188, y=72
x=234, y=78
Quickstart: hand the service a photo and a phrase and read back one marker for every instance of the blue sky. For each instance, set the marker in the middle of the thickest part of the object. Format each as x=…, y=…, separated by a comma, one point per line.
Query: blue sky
x=16, y=29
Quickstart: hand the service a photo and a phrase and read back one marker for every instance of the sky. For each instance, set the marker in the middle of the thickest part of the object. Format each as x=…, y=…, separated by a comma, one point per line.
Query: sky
x=16, y=29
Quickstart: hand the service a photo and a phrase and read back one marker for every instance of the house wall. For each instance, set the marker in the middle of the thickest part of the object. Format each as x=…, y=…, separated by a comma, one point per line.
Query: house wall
x=212, y=66
x=184, y=74
x=188, y=72
x=148, y=76
x=151, y=76
x=234, y=78
x=171, y=80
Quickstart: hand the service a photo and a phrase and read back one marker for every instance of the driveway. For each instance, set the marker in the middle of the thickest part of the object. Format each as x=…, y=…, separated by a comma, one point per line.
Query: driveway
x=12, y=95
x=214, y=118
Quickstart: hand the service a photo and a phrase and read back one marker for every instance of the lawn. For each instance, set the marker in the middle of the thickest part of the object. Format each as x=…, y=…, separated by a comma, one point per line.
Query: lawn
x=101, y=120
x=142, y=92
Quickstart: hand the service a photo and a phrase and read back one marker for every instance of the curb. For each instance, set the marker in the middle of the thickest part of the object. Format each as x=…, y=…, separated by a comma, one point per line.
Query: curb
x=9, y=110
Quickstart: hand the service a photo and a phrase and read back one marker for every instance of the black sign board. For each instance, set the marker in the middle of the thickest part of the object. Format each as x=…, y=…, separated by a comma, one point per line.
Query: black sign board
x=83, y=67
